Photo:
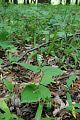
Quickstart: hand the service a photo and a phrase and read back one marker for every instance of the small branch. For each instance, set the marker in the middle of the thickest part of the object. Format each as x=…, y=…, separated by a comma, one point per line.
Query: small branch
x=32, y=49
x=43, y=44
x=66, y=75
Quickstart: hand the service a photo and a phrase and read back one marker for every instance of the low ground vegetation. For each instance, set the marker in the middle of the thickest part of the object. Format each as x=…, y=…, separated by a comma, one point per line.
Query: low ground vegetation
x=39, y=62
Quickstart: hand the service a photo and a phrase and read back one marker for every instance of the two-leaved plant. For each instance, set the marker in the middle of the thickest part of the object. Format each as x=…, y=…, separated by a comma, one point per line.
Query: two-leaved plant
x=39, y=92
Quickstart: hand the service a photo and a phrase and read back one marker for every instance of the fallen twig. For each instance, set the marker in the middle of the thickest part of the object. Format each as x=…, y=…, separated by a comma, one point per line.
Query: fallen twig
x=32, y=49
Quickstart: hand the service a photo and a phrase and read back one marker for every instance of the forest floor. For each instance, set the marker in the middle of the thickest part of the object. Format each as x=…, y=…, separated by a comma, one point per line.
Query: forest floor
x=45, y=37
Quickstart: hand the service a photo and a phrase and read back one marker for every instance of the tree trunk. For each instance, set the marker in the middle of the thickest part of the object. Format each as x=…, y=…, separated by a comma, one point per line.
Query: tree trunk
x=7, y=1
x=68, y=1
x=15, y=1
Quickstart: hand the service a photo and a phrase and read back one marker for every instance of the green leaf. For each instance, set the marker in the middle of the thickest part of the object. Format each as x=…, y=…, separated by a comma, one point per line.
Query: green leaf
x=71, y=79
x=35, y=69
x=12, y=58
x=51, y=71
x=33, y=93
x=77, y=105
x=46, y=79
x=15, y=117
x=51, y=46
x=51, y=36
x=8, y=85
x=69, y=108
x=77, y=110
x=30, y=94
x=6, y=116
x=75, y=59
x=3, y=106
x=48, y=73
x=44, y=92
x=69, y=99
x=7, y=45
x=1, y=61
x=39, y=112
x=9, y=116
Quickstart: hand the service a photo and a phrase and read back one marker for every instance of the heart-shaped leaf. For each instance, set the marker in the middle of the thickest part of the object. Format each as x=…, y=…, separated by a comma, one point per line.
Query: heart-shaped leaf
x=33, y=93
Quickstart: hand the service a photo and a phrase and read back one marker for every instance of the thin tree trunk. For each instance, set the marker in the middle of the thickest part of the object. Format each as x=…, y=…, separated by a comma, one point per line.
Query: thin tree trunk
x=15, y=1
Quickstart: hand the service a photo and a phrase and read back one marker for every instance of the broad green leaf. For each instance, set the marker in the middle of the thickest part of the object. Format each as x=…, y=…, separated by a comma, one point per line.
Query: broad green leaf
x=8, y=85
x=39, y=112
x=6, y=116
x=33, y=93
x=4, y=106
x=9, y=116
x=30, y=94
x=71, y=79
x=48, y=73
x=35, y=69
x=77, y=110
x=46, y=79
x=51, y=71
x=44, y=92
x=7, y=45
x=68, y=108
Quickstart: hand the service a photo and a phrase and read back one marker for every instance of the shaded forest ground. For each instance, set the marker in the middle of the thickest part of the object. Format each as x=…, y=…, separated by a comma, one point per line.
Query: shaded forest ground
x=41, y=35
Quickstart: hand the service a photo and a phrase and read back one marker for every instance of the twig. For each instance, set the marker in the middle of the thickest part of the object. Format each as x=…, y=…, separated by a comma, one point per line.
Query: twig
x=32, y=49
x=43, y=44
x=76, y=72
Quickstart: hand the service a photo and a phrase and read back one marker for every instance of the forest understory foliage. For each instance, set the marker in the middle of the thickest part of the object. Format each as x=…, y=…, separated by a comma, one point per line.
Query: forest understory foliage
x=39, y=62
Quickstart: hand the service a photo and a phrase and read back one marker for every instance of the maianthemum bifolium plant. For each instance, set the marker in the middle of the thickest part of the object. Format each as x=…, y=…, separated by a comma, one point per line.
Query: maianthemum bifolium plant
x=34, y=25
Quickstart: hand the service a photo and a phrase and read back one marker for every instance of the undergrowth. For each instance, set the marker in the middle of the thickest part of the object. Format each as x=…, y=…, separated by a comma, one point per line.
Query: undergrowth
x=44, y=31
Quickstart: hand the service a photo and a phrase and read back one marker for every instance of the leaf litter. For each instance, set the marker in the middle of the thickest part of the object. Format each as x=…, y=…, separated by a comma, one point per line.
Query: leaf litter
x=20, y=77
